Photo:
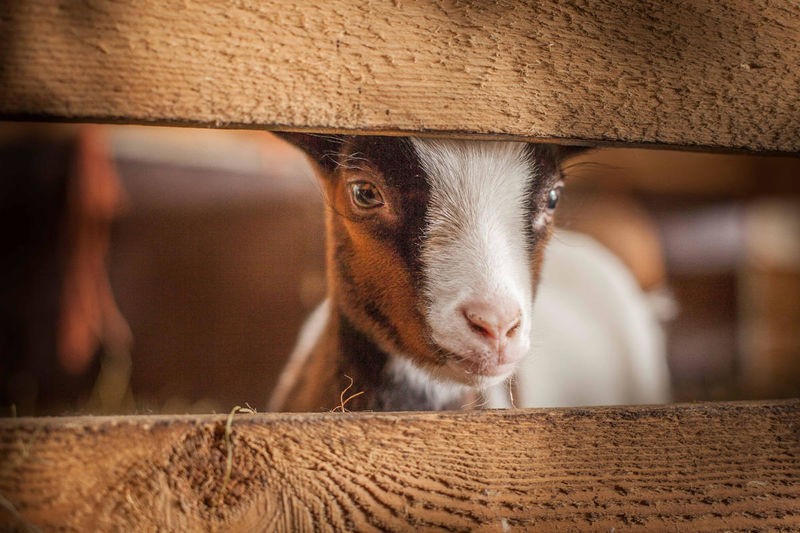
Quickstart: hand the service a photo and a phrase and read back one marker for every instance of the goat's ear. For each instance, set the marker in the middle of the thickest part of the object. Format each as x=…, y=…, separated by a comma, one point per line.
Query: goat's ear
x=322, y=148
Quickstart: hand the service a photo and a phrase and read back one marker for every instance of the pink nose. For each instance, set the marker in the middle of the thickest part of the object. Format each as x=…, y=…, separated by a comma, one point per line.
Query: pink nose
x=494, y=320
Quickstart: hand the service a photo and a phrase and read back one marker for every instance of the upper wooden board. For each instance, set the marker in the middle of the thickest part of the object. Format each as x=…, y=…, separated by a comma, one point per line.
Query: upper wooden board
x=697, y=74
x=720, y=467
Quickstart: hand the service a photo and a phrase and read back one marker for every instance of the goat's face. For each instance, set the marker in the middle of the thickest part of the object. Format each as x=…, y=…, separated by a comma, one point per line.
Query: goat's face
x=435, y=246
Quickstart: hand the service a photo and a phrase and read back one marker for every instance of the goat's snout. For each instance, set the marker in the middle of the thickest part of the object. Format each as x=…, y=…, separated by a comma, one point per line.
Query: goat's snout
x=497, y=321
x=494, y=322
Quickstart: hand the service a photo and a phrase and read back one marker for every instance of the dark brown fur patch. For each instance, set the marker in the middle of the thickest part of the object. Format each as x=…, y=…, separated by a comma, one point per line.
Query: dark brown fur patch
x=374, y=257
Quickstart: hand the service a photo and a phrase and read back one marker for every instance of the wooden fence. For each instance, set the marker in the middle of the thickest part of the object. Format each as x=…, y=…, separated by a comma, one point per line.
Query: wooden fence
x=686, y=467
x=705, y=75
x=699, y=74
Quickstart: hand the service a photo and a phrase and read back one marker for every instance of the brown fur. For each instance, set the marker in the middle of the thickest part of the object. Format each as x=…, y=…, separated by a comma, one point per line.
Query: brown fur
x=378, y=276
x=372, y=289
x=374, y=278
x=316, y=388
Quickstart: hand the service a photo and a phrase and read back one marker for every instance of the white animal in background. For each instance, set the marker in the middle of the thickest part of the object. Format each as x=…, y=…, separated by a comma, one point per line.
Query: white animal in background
x=434, y=254
x=596, y=338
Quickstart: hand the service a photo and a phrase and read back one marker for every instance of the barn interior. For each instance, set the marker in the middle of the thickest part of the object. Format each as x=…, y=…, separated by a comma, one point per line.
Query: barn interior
x=168, y=270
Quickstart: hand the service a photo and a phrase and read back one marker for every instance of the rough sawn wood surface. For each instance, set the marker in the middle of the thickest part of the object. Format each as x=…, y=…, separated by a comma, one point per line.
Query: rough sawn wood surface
x=689, y=468
x=697, y=73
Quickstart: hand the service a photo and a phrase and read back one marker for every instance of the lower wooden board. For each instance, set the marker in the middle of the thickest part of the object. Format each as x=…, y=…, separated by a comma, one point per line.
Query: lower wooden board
x=704, y=467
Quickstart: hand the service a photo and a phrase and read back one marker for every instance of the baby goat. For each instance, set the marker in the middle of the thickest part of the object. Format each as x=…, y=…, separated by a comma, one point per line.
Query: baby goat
x=434, y=253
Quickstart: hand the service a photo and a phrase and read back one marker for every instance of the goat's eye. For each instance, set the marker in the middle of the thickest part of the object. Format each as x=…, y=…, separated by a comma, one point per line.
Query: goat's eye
x=553, y=196
x=366, y=195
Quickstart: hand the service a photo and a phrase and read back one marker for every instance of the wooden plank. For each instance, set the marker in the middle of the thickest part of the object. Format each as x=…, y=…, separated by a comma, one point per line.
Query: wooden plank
x=728, y=466
x=697, y=74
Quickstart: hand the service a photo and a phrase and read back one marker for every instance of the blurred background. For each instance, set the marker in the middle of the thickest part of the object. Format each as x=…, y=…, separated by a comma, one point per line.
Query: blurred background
x=168, y=270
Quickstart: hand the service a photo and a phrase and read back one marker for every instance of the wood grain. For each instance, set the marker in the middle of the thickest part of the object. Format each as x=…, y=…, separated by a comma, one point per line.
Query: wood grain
x=728, y=466
x=697, y=74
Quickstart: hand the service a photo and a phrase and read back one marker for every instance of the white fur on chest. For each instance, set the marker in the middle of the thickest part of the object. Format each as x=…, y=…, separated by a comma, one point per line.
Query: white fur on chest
x=309, y=335
x=440, y=394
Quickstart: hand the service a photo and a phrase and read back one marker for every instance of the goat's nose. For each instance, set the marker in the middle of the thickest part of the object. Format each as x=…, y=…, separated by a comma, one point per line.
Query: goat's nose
x=496, y=320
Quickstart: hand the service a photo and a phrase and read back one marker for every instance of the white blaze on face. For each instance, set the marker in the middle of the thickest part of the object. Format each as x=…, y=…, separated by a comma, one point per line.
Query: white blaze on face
x=475, y=253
